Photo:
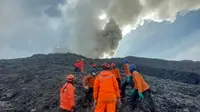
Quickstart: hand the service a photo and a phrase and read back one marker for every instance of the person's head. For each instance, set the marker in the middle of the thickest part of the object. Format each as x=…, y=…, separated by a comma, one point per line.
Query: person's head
x=70, y=78
x=77, y=60
x=93, y=72
x=106, y=66
x=132, y=68
x=113, y=65
x=125, y=61
x=82, y=59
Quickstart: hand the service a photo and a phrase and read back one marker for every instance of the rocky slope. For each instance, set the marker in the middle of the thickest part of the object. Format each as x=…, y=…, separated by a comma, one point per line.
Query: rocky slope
x=32, y=84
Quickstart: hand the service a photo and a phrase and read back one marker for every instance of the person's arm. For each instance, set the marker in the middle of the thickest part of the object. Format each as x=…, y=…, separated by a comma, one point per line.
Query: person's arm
x=70, y=92
x=61, y=92
x=85, y=81
x=96, y=88
x=116, y=87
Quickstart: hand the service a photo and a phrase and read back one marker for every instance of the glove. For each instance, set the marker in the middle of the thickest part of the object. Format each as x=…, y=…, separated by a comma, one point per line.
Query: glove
x=132, y=91
x=141, y=95
x=128, y=79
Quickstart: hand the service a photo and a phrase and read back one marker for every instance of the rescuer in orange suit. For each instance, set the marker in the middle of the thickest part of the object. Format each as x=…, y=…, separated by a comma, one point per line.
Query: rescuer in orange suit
x=106, y=91
x=88, y=83
x=82, y=65
x=140, y=89
x=116, y=73
x=77, y=67
x=126, y=67
x=67, y=103
x=128, y=80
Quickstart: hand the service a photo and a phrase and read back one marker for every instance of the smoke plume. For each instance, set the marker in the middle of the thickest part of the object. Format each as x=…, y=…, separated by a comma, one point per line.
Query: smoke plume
x=79, y=26
x=108, y=40
x=86, y=36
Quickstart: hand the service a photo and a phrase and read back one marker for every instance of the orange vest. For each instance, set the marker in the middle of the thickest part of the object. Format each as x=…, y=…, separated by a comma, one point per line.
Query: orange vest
x=67, y=97
x=140, y=83
x=106, y=87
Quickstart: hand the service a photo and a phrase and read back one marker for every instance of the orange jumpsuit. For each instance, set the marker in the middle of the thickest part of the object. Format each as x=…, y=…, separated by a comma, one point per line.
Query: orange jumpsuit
x=88, y=80
x=67, y=97
x=140, y=83
x=106, y=92
x=142, y=87
x=126, y=70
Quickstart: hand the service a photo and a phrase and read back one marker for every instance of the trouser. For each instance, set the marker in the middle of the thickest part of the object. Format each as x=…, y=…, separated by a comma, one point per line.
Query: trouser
x=119, y=83
x=88, y=94
x=147, y=99
x=123, y=89
x=105, y=107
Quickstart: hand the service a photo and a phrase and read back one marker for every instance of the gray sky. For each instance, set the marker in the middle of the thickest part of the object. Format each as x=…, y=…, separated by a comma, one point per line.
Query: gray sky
x=28, y=27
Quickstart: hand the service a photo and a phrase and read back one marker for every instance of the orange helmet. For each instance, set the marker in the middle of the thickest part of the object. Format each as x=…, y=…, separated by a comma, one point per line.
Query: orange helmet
x=70, y=78
x=113, y=65
x=106, y=66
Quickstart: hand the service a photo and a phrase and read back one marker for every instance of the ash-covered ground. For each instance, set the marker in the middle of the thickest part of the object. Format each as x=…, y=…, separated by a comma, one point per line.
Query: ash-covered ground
x=32, y=84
